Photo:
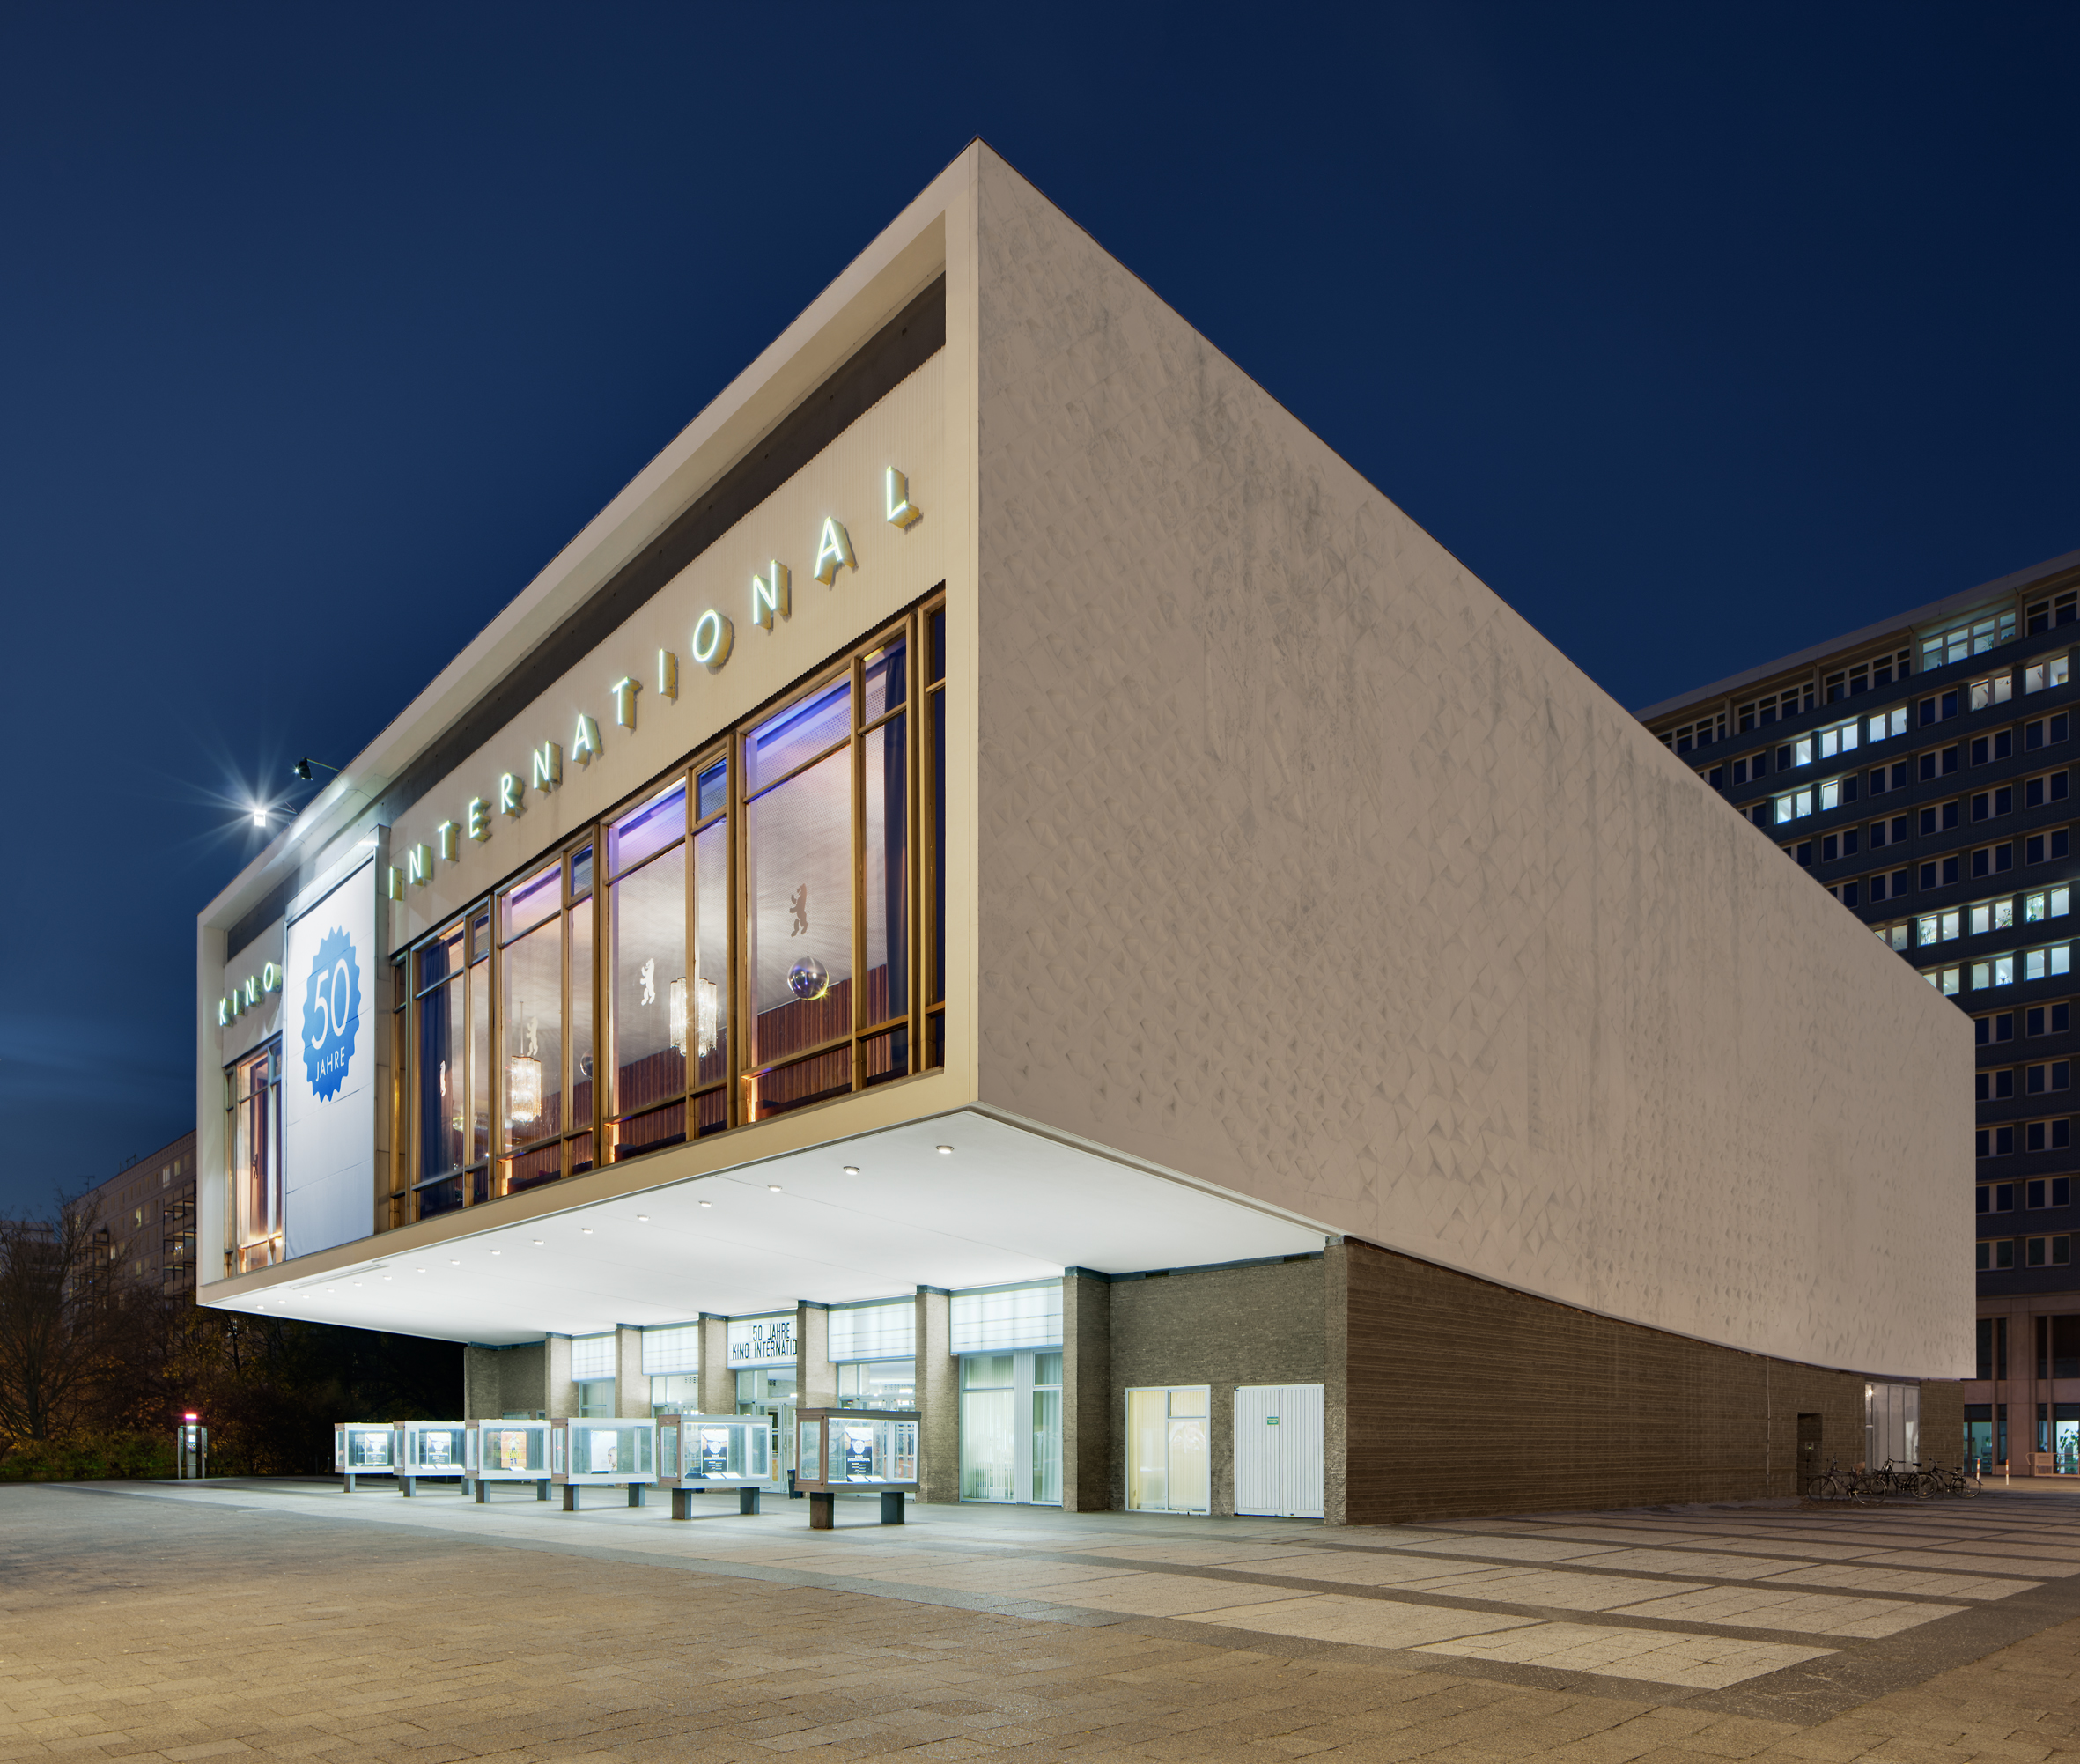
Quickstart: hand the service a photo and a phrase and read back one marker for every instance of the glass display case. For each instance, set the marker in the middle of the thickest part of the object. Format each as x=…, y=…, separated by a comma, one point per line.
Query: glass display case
x=508, y=1451
x=429, y=1449
x=716, y=1452
x=603, y=1451
x=855, y=1451
x=363, y=1449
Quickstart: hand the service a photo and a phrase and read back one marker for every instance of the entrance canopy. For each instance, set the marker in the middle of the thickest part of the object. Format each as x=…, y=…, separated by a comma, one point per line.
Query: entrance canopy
x=1004, y=1204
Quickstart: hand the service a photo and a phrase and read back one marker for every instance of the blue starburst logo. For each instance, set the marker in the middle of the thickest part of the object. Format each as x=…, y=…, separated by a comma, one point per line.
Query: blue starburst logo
x=331, y=1014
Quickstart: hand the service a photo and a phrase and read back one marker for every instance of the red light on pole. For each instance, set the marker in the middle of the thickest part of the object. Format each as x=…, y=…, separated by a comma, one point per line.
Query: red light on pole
x=189, y=1416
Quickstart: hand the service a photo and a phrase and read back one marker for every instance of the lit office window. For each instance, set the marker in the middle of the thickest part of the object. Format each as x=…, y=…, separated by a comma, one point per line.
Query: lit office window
x=1965, y=641
x=2052, y=670
x=256, y=1159
x=1993, y=688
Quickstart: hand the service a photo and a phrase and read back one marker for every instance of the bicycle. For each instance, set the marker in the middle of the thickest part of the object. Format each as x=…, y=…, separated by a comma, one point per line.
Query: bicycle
x=1833, y=1484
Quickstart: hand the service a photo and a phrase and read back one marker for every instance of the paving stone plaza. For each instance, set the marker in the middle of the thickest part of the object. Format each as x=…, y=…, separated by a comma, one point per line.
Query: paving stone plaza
x=287, y=1620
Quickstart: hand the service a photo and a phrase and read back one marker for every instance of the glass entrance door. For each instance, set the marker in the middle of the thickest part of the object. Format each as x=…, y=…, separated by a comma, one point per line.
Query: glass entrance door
x=1169, y=1457
x=772, y=1394
x=1011, y=1427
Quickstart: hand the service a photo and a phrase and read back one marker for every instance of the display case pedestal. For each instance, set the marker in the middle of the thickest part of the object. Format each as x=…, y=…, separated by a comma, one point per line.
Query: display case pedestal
x=892, y=1506
x=571, y=1496
x=635, y=1494
x=823, y=1512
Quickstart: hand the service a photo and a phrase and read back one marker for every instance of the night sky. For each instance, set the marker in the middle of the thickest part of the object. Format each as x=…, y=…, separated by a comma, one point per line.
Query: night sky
x=1699, y=335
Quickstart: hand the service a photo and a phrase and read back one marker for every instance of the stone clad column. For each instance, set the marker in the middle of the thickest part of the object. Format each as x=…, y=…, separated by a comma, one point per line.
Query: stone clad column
x=718, y=1384
x=816, y=1379
x=1086, y=1391
x=1336, y=1393
x=938, y=1399
x=559, y=1396
x=632, y=1386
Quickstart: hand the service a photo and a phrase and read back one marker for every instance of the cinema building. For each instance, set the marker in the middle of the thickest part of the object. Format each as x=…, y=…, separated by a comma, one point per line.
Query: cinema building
x=999, y=876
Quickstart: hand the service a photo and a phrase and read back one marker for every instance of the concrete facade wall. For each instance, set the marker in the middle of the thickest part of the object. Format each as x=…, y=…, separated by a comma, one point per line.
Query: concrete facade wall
x=1216, y=1327
x=1309, y=869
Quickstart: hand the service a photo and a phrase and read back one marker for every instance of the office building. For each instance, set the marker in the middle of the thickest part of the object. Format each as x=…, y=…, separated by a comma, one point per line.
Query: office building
x=1920, y=771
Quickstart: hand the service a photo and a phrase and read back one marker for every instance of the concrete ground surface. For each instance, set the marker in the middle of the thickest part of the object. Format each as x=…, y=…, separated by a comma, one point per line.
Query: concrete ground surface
x=287, y=1620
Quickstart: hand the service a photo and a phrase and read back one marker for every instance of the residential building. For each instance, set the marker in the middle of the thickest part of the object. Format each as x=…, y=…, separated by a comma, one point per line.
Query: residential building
x=146, y=1218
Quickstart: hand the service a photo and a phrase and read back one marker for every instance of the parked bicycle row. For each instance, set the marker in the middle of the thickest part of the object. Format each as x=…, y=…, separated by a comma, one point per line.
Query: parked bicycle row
x=1918, y=1481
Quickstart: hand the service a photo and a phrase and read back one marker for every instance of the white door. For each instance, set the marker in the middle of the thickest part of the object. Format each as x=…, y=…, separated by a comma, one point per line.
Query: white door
x=1278, y=1450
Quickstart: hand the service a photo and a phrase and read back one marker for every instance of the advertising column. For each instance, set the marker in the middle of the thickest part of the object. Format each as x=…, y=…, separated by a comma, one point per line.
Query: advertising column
x=328, y=1058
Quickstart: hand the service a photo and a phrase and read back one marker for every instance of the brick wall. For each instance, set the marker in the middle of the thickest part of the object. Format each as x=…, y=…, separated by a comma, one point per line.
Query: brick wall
x=1218, y=1326
x=1466, y=1397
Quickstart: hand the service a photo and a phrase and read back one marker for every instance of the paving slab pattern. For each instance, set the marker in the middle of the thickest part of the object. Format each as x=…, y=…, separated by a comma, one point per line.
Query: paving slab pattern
x=288, y=1620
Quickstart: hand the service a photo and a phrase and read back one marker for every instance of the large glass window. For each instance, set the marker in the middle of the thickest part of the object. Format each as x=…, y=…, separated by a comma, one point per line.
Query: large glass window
x=763, y=942
x=545, y=1010
x=828, y=867
x=1168, y=1449
x=256, y=1160
x=1011, y=1426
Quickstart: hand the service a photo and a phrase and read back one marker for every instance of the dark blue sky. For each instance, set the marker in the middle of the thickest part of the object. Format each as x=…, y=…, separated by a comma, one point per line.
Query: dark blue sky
x=1698, y=335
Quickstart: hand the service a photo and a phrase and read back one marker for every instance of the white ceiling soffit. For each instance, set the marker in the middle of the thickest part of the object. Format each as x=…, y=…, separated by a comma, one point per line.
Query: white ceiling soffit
x=1004, y=1204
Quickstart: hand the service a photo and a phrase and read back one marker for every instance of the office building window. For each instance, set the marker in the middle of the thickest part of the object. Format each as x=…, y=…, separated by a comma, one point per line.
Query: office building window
x=1939, y=763
x=2043, y=615
x=1701, y=733
x=1939, y=927
x=1988, y=803
x=2047, y=1019
x=1994, y=1029
x=2047, y=1136
x=1945, y=980
x=2044, y=732
x=2052, y=670
x=2042, y=964
x=1883, y=724
x=1835, y=846
x=1941, y=708
x=1788, y=703
x=1997, y=971
x=1889, y=832
x=1998, y=745
x=1750, y=767
x=1942, y=871
x=1993, y=688
x=2055, y=1190
x=1899, y=934
x=2052, y=787
x=1964, y=641
x=1991, y=915
x=1890, y=886
x=1894, y=777
x=1995, y=1087
x=1994, y=1141
x=2046, y=847
x=1939, y=817
x=1990, y=860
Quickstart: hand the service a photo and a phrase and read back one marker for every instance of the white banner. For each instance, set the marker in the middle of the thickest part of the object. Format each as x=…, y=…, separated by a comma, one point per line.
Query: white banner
x=328, y=1069
x=762, y=1341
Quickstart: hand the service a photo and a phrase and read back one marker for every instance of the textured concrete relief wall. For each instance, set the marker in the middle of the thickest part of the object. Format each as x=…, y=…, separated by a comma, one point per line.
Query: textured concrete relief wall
x=1310, y=869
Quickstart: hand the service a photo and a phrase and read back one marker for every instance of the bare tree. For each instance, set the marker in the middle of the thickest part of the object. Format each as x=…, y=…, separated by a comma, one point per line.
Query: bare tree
x=64, y=1305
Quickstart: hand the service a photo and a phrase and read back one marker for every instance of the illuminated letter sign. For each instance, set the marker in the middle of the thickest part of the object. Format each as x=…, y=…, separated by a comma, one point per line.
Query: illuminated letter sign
x=832, y=550
x=902, y=511
x=713, y=638
x=510, y=791
x=548, y=766
x=419, y=864
x=480, y=821
x=667, y=675
x=625, y=702
x=584, y=745
x=770, y=594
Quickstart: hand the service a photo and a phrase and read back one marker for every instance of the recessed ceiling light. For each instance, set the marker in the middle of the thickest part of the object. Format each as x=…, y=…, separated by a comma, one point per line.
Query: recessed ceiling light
x=454, y=1261
x=852, y=1170
x=773, y=1188
x=497, y=1252
x=587, y=1229
x=644, y=1217
x=537, y=1242
x=946, y=1151
x=331, y=1288
x=707, y=1203
x=388, y=1277
x=422, y=1271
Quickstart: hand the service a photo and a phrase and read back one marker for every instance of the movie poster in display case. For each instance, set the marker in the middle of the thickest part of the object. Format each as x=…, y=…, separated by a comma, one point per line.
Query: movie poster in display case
x=857, y=1450
x=509, y=1450
x=699, y=1451
x=364, y=1448
x=432, y=1448
x=603, y=1451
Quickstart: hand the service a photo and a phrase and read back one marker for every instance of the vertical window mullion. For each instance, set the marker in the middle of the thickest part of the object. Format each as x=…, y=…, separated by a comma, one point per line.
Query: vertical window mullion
x=856, y=1048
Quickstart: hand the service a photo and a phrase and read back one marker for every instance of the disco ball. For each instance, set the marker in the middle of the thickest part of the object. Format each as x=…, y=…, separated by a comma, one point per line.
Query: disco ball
x=809, y=978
